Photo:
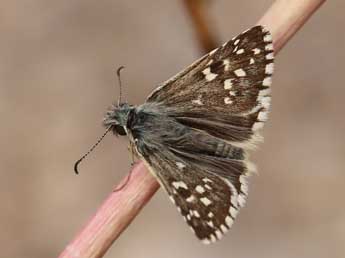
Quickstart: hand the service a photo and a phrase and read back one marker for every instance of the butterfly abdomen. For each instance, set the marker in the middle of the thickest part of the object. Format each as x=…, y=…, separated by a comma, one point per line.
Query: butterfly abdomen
x=225, y=150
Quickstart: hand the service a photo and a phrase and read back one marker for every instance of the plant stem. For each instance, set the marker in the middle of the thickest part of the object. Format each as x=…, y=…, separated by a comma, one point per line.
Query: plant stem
x=201, y=24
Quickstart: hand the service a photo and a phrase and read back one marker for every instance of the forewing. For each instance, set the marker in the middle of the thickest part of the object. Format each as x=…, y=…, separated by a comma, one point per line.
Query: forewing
x=231, y=85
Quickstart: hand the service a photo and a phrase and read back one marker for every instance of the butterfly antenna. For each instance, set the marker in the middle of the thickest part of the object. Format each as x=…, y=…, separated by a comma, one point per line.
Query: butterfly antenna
x=118, y=72
x=91, y=149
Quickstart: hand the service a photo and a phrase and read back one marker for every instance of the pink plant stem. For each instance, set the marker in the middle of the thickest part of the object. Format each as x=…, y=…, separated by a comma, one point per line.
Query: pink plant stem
x=115, y=214
x=283, y=19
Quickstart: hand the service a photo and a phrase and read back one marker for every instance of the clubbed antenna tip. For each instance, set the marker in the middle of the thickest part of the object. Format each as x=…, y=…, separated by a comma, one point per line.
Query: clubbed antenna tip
x=118, y=72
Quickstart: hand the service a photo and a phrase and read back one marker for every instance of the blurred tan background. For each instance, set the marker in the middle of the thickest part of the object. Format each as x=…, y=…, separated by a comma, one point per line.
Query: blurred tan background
x=57, y=77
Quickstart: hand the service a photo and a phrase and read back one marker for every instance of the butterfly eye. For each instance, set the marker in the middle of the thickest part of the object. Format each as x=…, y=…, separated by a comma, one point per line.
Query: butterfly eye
x=119, y=130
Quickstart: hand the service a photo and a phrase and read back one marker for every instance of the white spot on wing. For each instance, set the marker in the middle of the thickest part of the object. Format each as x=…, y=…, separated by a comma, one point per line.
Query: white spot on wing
x=206, y=71
x=269, y=56
x=210, y=223
x=256, y=51
x=208, y=187
x=229, y=221
x=210, y=214
x=179, y=184
x=244, y=187
x=227, y=100
x=236, y=42
x=240, y=51
x=240, y=72
x=219, y=234
x=233, y=212
x=228, y=84
x=213, y=238
x=197, y=101
x=262, y=116
x=206, y=180
x=196, y=214
x=267, y=81
x=241, y=200
x=265, y=92
x=243, y=179
x=180, y=165
x=235, y=49
x=265, y=101
x=269, y=47
x=200, y=189
x=224, y=228
x=206, y=241
x=268, y=38
x=209, y=76
x=251, y=61
x=226, y=64
x=205, y=201
x=190, y=198
x=257, y=126
x=269, y=68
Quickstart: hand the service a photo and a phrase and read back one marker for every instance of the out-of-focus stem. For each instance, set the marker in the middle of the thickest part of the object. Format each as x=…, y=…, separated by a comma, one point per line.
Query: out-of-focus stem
x=285, y=17
x=201, y=23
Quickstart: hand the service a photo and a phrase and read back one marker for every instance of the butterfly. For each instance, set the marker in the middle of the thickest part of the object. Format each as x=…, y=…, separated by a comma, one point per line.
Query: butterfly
x=194, y=130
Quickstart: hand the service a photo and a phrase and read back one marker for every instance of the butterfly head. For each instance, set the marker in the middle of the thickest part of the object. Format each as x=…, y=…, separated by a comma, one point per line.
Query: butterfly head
x=116, y=118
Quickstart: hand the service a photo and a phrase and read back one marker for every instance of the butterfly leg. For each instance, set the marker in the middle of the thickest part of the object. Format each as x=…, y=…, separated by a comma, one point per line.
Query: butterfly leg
x=131, y=148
